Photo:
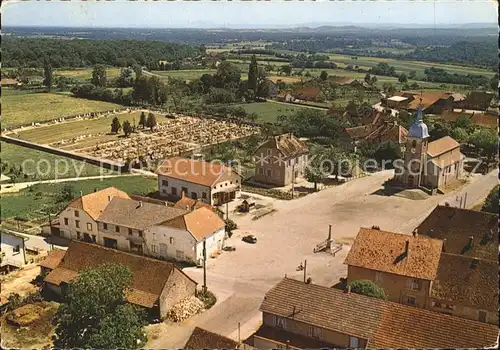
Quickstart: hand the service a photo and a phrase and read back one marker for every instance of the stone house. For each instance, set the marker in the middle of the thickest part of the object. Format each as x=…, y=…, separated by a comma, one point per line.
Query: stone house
x=453, y=277
x=156, y=285
x=280, y=160
x=213, y=183
x=78, y=219
x=298, y=315
x=284, y=96
x=402, y=265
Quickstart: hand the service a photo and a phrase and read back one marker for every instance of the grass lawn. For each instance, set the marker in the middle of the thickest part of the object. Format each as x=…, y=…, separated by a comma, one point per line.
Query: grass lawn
x=184, y=74
x=36, y=165
x=21, y=107
x=71, y=129
x=29, y=203
x=269, y=111
x=85, y=74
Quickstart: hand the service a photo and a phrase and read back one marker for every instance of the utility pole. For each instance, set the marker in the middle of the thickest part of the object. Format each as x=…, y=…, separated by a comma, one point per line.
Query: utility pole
x=329, y=236
x=227, y=210
x=305, y=270
x=239, y=334
x=465, y=199
x=460, y=206
x=293, y=179
x=204, y=266
x=51, y=237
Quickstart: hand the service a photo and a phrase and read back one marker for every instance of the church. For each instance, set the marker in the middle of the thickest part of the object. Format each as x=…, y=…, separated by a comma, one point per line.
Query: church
x=432, y=165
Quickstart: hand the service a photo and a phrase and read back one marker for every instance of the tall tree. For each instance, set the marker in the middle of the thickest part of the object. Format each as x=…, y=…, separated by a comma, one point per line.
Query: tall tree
x=287, y=69
x=125, y=79
x=47, y=73
x=127, y=128
x=403, y=78
x=142, y=120
x=151, y=121
x=95, y=314
x=99, y=77
x=324, y=75
x=115, y=125
x=491, y=203
x=368, y=288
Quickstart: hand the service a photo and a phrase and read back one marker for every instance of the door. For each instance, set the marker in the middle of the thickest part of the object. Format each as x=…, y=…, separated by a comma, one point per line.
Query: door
x=163, y=250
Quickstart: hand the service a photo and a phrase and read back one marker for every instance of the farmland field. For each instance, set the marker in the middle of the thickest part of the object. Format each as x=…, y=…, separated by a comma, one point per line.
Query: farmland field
x=184, y=74
x=85, y=74
x=21, y=107
x=46, y=165
x=28, y=203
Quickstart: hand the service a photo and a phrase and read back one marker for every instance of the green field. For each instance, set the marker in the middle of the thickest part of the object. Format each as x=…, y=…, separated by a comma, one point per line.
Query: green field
x=37, y=165
x=269, y=111
x=188, y=74
x=29, y=203
x=85, y=74
x=23, y=107
x=71, y=129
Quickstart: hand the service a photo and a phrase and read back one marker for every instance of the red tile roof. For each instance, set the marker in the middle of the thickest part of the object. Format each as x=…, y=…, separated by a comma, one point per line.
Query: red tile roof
x=385, y=251
x=203, y=339
x=442, y=145
x=94, y=203
x=53, y=259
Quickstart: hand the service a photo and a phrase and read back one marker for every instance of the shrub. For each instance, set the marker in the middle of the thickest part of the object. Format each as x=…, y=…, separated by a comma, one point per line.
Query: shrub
x=367, y=288
x=230, y=227
x=208, y=298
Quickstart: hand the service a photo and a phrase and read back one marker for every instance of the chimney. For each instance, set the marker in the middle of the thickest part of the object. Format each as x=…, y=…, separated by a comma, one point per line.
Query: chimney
x=407, y=243
x=444, y=245
x=348, y=289
x=471, y=240
x=109, y=198
x=375, y=227
x=415, y=232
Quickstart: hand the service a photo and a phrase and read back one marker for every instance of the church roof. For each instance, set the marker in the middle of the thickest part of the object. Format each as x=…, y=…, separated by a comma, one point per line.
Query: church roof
x=418, y=129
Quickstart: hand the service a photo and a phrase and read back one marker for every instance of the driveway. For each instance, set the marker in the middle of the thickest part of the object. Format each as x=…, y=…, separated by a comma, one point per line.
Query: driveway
x=288, y=236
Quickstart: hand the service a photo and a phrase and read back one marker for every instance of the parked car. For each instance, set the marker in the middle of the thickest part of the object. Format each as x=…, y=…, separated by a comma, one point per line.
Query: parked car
x=229, y=248
x=250, y=239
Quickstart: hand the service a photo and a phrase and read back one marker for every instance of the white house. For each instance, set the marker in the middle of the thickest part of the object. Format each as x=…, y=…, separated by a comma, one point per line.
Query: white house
x=12, y=250
x=79, y=219
x=182, y=237
x=213, y=183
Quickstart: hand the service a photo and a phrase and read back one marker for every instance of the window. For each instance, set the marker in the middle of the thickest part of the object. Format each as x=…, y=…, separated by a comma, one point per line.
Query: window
x=89, y=226
x=66, y=222
x=117, y=228
x=411, y=300
x=185, y=191
x=194, y=195
x=269, y=172
x=154, y=248
x=353, y=342
x=77, y=213
x=93, y=238
x=230, y=182
x=171, y=240
x=130, y=232
x=268, y=152
x=236, y=181
x=78, y=235
x=105, y=226
x=314, y=332
x=16, y=249
x=77, y=223
x=289, y=162
x=415, y=284
x=280, y=322
x=204, y=195
x=174, y=191
x=164, y=182
x=220, y=185
x=482, y=316
x=140, y=233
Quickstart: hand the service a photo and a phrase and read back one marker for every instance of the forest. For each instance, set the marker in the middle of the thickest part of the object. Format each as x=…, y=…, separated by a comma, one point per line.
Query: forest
x=32, y=52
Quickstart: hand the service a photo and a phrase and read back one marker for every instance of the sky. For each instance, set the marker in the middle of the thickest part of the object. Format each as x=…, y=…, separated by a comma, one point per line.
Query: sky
x=245, y=14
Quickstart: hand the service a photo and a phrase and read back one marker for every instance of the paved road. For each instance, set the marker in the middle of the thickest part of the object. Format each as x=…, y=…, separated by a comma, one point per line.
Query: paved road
x=288, y=236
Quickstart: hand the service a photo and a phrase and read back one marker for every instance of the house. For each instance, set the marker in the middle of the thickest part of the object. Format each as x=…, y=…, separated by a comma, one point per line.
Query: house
x=465, y=232
x=350, y=137
x=298, y=315
x=377, y=131
x=280, y=160
x=430, y=273
x=9, y=83
x=478, y=100
x=432, y=165
x=156, y=285
x=215, y=184
x=78, y=219
x=184, y=237
x=431, y=102
x=477, y=117
x=284, y=96
x=122, y=224
x=309, y=93
x=12, y=251
x=398, y=102
x=203, y=339
x=403, y=265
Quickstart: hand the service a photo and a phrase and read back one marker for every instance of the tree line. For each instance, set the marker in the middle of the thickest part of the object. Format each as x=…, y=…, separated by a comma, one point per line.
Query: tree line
x=34, y=53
